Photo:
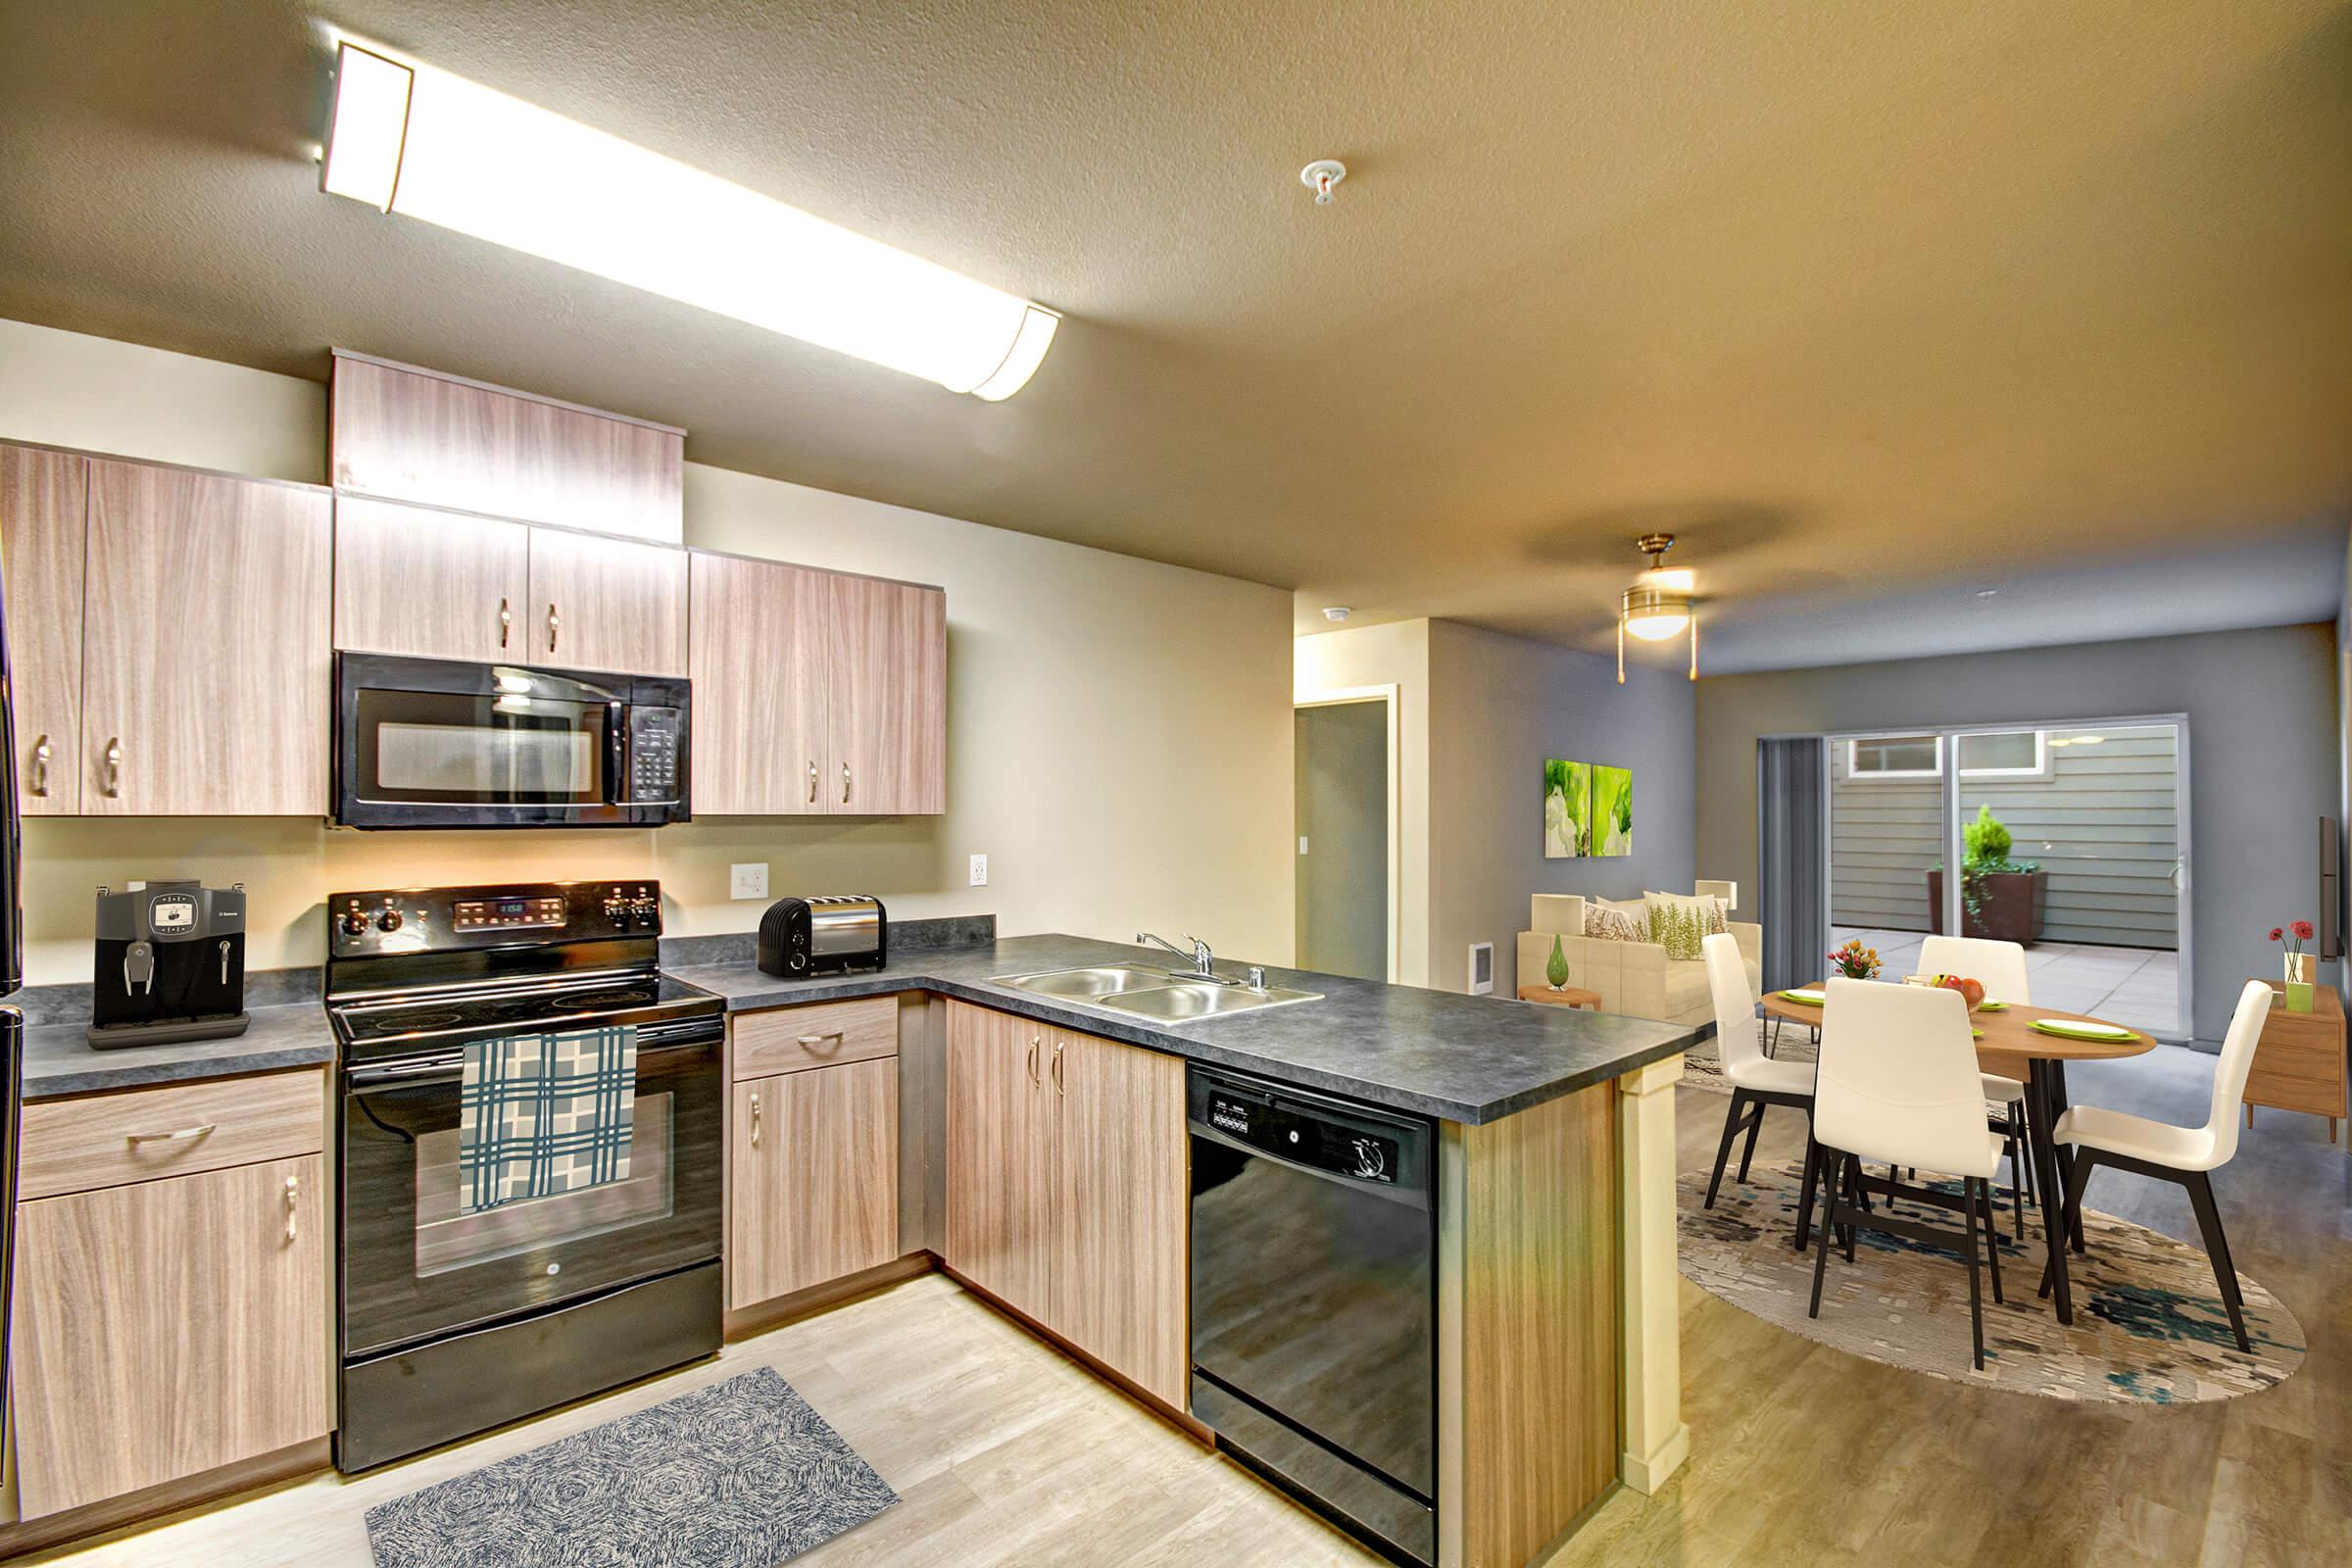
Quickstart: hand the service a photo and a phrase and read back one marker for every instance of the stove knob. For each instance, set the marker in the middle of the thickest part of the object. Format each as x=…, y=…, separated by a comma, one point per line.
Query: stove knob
x=354, y=923
x=389, y=920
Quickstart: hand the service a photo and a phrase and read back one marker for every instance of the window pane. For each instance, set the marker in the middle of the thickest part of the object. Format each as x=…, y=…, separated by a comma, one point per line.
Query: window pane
x=2014, y=750
x=1895, y=753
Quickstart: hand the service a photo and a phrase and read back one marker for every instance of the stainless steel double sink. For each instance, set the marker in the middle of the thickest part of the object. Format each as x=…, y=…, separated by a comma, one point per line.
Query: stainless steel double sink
x=1150, y=991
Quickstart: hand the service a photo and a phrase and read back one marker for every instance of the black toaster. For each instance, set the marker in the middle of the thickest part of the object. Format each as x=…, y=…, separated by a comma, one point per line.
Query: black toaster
x=825, y=935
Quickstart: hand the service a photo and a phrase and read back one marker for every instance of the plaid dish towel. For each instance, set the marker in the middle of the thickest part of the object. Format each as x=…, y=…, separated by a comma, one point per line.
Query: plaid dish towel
x=545, y=1114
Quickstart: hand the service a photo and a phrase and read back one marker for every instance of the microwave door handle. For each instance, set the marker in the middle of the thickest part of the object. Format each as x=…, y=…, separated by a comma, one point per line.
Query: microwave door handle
x=617, y=741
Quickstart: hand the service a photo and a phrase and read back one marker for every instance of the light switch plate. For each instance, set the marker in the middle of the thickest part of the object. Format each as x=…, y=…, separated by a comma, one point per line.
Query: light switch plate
x=747, y=880
x=979, y=870
x=1302, y=844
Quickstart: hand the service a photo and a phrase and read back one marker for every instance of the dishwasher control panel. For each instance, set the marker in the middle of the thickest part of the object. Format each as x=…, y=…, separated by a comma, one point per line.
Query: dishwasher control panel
x=1329, y=1136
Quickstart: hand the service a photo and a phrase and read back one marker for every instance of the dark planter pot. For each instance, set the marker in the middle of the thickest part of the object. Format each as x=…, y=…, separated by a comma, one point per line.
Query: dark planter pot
x=2009, y=906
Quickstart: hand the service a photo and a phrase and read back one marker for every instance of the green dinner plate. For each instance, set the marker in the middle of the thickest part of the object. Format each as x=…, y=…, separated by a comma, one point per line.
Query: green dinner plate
x=1993, y=1007
x=1810, y=999
x=2082, y=1031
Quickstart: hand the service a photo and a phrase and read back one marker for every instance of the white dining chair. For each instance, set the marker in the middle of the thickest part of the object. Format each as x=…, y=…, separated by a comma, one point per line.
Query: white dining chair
x=2000, y=967
x=2186, y=1155
x=1896, y=1085
x=1757, y=1080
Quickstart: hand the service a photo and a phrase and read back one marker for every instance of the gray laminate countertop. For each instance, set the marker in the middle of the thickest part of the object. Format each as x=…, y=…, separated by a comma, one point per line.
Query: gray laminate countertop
x=59, y=1060
x=1457, y=1057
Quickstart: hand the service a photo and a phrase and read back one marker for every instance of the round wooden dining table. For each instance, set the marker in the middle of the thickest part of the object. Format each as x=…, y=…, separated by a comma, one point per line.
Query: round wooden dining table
x=2009, y=1046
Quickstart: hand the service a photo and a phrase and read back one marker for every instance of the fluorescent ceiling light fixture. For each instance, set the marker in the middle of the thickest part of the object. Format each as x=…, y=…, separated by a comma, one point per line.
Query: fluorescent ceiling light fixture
x=422, y=143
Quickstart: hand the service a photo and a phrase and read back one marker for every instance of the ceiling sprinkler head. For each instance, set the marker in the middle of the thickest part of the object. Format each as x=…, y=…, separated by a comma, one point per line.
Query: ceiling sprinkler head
x=1320, y=176
x=1337, y=612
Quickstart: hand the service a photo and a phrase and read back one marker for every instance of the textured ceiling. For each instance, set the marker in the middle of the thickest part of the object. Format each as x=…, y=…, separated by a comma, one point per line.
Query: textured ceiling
x=1858, y=298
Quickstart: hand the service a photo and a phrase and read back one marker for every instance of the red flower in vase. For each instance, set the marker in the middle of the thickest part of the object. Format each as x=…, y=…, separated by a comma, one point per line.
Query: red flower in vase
x=2277, y=933
x=2302, y=930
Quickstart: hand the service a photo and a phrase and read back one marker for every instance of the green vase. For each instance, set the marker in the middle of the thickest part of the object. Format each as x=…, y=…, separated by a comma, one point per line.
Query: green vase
x=1556, y=969
x=2298, y=996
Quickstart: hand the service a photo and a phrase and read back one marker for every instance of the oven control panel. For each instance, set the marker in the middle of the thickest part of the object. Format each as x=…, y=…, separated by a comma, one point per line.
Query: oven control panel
x=391, y=922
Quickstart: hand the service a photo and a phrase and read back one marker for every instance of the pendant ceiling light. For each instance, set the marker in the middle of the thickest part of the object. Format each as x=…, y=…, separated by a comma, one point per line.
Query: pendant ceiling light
x=411, y=139
x=1660, y=605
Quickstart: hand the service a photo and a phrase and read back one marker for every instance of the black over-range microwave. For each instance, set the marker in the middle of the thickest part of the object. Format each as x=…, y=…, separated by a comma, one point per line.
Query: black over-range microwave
x=441, y=743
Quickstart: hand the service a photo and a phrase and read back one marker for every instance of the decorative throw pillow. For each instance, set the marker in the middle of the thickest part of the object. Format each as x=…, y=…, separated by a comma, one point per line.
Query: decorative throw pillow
x=1680, y=922
x=1613, y=922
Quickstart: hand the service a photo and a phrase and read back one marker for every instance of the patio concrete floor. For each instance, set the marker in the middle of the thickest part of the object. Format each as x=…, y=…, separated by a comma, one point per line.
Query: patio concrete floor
x=2139, y=986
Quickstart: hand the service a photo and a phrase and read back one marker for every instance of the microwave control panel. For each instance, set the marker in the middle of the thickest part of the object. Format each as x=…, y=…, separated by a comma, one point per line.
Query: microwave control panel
x=655, y=743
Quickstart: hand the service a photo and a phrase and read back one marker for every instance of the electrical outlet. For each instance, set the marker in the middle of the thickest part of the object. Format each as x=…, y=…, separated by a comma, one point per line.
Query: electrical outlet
x=979, y=870
x=1302, y=844
x=747, y=880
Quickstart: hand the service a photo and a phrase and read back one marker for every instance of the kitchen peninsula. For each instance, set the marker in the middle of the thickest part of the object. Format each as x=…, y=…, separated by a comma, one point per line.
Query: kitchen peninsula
x=1556, y=1359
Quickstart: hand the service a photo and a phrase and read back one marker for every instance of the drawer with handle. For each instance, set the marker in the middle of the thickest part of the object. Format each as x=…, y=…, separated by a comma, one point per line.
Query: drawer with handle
x=822, y=1033
x=74, y=1146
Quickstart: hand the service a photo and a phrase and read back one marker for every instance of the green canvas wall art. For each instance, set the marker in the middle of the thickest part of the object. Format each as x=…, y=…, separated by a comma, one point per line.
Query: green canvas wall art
x=1612, y=810
x=1567, y=810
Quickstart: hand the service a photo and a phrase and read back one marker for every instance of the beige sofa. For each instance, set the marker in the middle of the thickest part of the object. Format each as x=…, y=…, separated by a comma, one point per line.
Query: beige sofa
x=1633, y=977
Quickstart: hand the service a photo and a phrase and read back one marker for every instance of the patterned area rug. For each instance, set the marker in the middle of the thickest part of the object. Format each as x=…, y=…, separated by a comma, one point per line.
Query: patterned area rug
x=739, y=1475
x=2148, y=1327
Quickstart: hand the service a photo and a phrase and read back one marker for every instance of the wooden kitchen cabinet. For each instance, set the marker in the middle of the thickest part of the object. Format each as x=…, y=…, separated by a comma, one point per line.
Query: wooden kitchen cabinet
x=1121, y=1265
x=44, y=520
x=165, y=1328
x=205, y=645
x=1067, y=1189
x=815, y=692
x=1003, y=1157
x=812, y=1178
x=606, y=604
x=430, y=584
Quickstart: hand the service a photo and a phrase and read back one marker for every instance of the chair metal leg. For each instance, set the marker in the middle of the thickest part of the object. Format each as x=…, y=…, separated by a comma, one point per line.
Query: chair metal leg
x=1859, y=1198
x=1771, y=1042
x=1805, y=1191
x=1820, y=1255
x=1723, y=1151
x=2216, y=1247
x=1975, y=1301
x=1992, y=1236
x=1747, y=1151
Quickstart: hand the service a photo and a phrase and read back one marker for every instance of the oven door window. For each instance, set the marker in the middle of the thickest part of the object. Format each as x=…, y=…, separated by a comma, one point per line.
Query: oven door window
x=453, y=748
x=413, y=1267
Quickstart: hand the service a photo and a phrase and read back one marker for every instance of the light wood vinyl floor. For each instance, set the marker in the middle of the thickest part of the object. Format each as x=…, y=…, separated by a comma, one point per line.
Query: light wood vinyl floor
x=1006, y=1453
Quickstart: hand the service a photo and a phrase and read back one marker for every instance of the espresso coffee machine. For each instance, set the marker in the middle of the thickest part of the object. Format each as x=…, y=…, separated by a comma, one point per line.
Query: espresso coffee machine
x=171, y=964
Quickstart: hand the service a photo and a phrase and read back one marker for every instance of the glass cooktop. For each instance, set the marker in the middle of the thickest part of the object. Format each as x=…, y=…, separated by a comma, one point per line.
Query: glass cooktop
x=447, y=1018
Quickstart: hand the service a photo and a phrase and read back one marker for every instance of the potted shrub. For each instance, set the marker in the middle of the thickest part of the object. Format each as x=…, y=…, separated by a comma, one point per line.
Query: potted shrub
x=1999, y=897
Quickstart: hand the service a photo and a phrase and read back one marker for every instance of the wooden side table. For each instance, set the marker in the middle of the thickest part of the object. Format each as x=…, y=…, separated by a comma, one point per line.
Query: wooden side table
x=1565, y=997
x=2299, y=1063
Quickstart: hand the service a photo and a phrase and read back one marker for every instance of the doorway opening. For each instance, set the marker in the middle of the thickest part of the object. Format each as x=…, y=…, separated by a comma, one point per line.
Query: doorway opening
x=1346, y=802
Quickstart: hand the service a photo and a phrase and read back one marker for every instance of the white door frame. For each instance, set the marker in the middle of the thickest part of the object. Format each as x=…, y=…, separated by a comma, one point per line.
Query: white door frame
x=1341, y=696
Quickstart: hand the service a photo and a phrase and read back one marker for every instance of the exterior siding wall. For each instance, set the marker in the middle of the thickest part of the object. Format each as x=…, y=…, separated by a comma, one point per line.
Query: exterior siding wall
x=2106, y=825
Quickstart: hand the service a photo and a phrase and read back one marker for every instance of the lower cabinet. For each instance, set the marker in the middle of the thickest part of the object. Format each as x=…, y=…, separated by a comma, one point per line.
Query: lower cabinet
x=1067, y=1187
x=169, y=1327
x=812, y=1178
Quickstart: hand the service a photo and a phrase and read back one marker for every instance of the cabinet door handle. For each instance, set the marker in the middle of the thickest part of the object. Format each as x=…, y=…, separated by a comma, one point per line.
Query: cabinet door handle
x=845, y=783
x=755, y=1118
x=506, y=622
x=293, y=1203
x=1033, y=1041
x=812, y=783
x=114, y=766
x=815, y=1041
x=1057, y=1084
x=181, y=1136
x=552, y=622
x=40, y=767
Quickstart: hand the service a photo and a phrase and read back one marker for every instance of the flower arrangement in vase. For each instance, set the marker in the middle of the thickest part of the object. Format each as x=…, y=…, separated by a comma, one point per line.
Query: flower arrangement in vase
x=2301, y=966
x=1854, y=961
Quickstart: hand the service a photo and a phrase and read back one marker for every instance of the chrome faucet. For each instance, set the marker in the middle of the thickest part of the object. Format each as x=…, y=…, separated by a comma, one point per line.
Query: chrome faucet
x=1203, y=961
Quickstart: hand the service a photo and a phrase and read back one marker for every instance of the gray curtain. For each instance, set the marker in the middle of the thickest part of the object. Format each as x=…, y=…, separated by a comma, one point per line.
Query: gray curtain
x=1792, y=858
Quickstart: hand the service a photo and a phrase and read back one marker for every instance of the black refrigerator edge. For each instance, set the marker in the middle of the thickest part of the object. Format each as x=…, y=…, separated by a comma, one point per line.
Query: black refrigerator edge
x=12, y=976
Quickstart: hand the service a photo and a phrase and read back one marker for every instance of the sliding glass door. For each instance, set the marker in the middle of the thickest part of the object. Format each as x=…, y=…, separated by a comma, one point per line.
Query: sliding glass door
x=2072, y=840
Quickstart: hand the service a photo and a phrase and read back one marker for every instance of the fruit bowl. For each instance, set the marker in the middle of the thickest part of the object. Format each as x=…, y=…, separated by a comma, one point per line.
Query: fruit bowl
x=1971, y=991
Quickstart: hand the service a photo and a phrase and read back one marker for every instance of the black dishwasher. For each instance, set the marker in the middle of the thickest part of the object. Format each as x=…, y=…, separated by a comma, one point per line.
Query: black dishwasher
x=1314, y=1299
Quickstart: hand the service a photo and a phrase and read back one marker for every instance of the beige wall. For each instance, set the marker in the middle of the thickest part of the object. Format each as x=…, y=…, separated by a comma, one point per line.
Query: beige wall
x=1342, y=782
x=1119, y=732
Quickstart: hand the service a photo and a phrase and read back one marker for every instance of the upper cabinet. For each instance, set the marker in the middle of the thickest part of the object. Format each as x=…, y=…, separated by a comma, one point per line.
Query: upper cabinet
x=44, y=514
x=430, y=584
x=435, y=584
x=403, y=433
x=606, y=604
x=815, y=692
x=204, y=645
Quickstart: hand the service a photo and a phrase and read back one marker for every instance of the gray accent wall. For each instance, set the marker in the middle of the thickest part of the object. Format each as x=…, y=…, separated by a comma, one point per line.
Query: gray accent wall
x=2265, y=746
x=1340, y=772
x=1498, y=706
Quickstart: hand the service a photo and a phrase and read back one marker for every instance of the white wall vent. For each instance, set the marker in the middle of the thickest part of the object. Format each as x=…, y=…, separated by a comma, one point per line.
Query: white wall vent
x=1481, y=968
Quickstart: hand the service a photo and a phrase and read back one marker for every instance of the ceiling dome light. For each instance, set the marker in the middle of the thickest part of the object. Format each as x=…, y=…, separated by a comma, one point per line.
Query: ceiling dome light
x=1337, y=612
x=1660, y=605
x=418, y=142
